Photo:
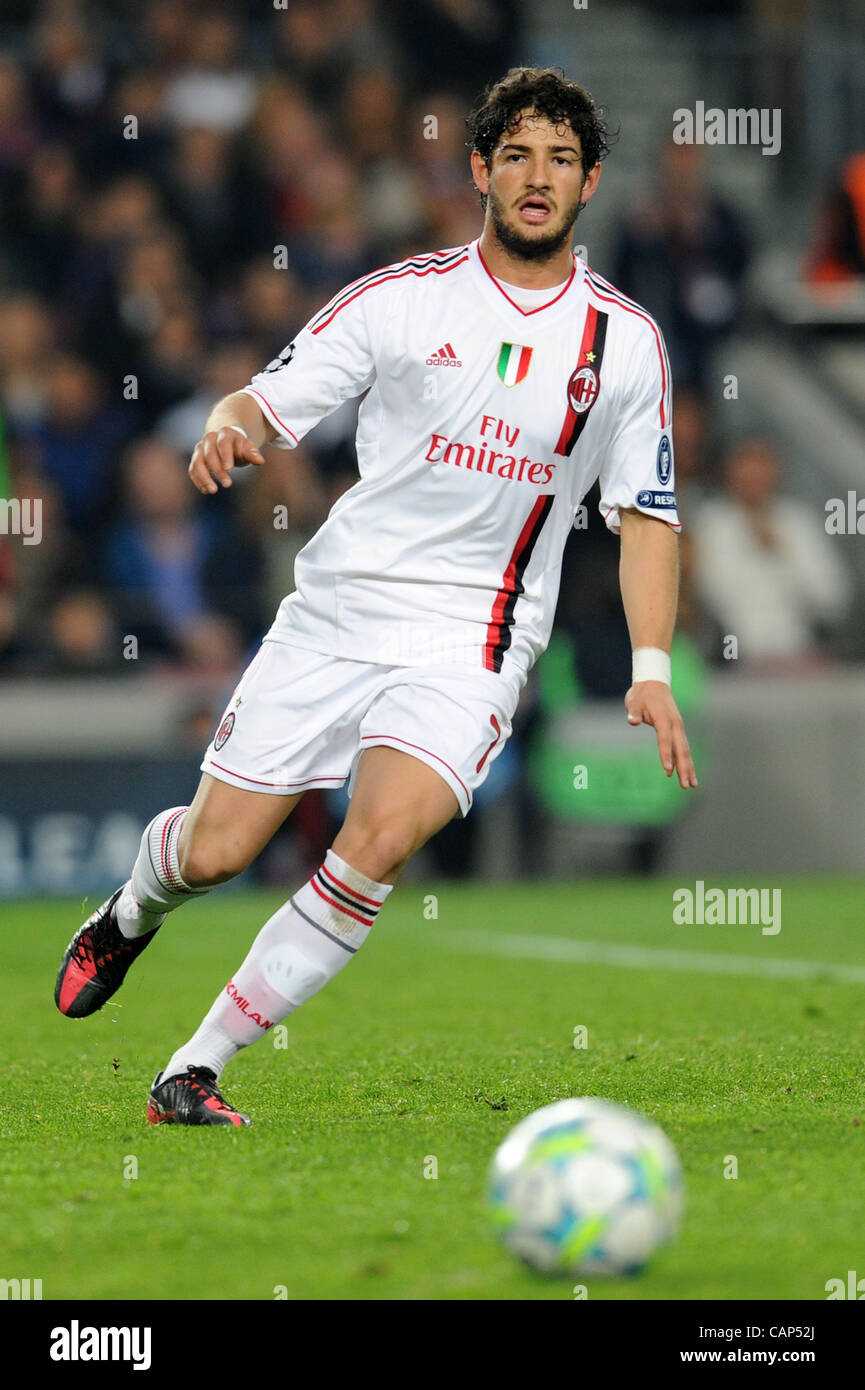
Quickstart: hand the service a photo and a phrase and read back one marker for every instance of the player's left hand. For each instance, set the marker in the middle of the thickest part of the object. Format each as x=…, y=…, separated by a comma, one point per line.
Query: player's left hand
x=651, y=702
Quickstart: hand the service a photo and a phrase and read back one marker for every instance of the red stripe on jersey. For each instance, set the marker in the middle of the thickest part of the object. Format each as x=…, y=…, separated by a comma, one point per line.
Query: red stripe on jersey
x=251, y=391
x=449, y=350
x=539, y=307
x=373, y=276
x=498, y=630
x=631, y=308
x=567, y=437
x=398, y=275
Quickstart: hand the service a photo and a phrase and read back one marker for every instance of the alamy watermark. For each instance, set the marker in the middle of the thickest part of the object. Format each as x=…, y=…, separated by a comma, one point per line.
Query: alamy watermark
x=736, y=126
x=21, y=516
x=20, y=1289
x=77, y=1343
x=845, y=517
x=712, y=907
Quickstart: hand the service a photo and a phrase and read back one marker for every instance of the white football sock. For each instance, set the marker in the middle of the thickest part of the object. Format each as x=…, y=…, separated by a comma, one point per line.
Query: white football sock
x=303, y=945
x=156, y=886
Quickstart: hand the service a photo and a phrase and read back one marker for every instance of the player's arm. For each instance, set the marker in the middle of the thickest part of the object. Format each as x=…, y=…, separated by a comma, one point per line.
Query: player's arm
x=233, y=435
x=649, y=581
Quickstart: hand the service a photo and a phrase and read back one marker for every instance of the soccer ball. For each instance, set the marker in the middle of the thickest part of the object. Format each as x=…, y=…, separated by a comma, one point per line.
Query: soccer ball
x=586, y=1187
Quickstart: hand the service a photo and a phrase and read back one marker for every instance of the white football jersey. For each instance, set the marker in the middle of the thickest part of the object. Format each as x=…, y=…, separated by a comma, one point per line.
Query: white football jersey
x=483, y=427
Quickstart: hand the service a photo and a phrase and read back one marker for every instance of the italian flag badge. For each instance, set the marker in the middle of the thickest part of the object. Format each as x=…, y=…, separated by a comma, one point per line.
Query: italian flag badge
x=513, y=363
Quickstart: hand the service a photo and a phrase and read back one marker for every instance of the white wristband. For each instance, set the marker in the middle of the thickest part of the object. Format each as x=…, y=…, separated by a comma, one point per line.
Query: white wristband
x=238, y=428
x=651, y=664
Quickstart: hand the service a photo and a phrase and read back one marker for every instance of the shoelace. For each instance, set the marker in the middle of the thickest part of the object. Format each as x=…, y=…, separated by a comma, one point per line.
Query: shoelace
x=83, y=950
x=206, y=1087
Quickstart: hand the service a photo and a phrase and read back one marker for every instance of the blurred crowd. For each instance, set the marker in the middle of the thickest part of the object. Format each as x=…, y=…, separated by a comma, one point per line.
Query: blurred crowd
x=181, y=186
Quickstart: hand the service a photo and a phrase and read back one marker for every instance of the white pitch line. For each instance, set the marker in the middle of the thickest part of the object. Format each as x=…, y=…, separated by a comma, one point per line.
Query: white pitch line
x=559, y=948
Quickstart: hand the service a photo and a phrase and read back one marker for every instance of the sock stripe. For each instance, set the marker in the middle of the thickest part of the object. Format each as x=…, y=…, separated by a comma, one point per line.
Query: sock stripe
x=173, y=881
x=330, y=936
x=348, y=898
x=366, y=921
x=373, y=902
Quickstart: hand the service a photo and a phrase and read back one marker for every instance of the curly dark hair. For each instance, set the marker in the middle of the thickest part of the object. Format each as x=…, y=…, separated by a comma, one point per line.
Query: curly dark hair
x=547, y=92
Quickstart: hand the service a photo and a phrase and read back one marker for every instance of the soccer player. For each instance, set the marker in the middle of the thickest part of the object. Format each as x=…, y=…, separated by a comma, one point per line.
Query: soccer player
x=502, y=378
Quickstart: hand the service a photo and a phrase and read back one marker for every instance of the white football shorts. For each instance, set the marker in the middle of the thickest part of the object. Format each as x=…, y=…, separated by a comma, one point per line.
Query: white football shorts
x=301, y=719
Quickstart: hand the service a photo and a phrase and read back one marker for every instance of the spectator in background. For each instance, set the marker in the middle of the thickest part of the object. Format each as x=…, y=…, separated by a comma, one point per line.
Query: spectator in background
x=77, y=439
x=171, y=359
x=269, y=308
x=19, y=130
x=319, y=43
x=63, y=561
x=215, y=89
x=182, y=426
x=455, y=44
x=210, y=197
x=284, y=138
x=286, y=505
x=186, y=583
x=138, y=93
x=111, y=218
x=40, y=217
x=27, y=334
x=448, y=199
x=165, y=35
x=838, y=252
x=374, y=116
x=152, y=278
x=682, y=253
x=336, y=243
x=81, y=636
x=71, y=73
x=764, y=567
x=692, y=449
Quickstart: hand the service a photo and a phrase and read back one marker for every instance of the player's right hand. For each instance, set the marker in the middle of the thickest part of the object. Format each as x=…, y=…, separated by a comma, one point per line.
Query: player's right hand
x=220, y=451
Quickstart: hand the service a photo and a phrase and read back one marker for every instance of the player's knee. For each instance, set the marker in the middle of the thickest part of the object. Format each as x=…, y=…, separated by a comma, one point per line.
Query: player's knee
x=205, y=861
x=377, y=850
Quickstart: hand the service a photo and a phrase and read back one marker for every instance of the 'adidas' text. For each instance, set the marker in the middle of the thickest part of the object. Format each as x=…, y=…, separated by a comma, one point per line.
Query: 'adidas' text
x=445, y=357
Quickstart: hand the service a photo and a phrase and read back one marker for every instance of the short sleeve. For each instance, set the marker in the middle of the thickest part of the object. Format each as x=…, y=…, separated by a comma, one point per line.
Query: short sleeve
x=330, y=360
x=638, y=468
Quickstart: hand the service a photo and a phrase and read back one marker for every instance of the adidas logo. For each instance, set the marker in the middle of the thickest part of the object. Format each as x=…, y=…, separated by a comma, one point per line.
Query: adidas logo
x=445, y=357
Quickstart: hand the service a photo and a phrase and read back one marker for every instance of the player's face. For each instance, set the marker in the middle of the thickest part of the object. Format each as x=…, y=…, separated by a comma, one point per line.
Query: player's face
x=535, y=185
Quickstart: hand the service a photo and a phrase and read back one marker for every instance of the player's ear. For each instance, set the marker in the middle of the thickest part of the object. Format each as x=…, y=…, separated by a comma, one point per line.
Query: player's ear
x=480, y=172
x=590, y=183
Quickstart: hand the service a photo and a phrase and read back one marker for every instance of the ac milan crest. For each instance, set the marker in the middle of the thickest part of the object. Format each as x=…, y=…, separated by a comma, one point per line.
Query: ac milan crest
x=582, y=389
x=224, y=732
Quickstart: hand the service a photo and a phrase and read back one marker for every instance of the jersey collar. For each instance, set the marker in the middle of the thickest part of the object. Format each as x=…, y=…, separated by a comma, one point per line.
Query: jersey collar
x=495, y=295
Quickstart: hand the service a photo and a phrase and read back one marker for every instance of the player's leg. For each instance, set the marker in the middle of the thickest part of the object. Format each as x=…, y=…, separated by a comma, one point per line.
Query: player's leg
x=271, y=744
x=397, y=804
x=184, y=852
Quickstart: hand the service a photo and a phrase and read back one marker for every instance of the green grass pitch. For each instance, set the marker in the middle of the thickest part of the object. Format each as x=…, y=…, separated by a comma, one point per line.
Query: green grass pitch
x=427, y=1048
